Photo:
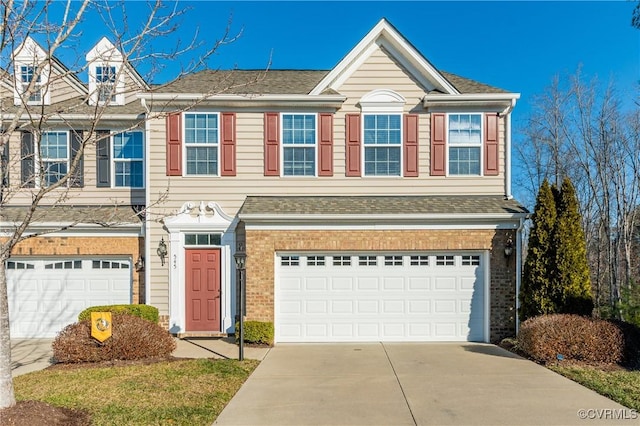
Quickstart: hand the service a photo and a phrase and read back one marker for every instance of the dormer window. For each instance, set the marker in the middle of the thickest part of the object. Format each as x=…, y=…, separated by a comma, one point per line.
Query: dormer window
x=106, y=83
x=27, y=73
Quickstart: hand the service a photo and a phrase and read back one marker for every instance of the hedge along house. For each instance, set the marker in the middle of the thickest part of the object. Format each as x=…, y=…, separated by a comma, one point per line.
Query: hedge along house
x=373, y=199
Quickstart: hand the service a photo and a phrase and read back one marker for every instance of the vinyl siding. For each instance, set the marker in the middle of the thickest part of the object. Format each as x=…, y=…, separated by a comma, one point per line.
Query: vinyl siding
x=88, y=195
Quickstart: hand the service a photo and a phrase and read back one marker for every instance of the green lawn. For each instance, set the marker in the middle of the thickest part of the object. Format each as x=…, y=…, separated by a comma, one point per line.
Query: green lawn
x=622, y=386
x=186, y=392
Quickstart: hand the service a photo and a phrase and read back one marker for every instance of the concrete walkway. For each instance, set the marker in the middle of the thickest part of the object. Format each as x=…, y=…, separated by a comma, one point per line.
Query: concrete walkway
x=35, y=354
x=412, y=384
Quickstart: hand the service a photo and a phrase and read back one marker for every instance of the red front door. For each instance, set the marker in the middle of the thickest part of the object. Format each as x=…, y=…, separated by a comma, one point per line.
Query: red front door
x=202, y=285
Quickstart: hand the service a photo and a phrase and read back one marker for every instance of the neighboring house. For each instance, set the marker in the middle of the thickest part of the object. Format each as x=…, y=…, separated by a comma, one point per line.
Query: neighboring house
x=91, y=258
x=373, y=200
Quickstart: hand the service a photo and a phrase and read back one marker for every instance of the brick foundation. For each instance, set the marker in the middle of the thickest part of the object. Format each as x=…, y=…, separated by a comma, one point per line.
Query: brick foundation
x=261, y=247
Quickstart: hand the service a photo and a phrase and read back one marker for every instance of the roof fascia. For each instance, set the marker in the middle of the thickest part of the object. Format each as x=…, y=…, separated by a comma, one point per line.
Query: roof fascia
x=492, y=100
x=387, y=36
x=326, y=101
x=318, y=219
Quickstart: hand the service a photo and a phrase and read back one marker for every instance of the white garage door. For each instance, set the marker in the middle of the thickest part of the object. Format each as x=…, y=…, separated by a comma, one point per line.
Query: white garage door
x=385, y=297
x=47, y=295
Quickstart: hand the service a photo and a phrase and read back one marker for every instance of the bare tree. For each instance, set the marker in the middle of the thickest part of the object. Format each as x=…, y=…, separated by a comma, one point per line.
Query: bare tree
x=580, y=130
x=150, y=42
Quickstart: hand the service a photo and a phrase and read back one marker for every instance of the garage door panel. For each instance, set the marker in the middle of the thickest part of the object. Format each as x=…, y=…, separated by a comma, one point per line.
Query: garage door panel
x=380, y=298
x=419, y=284
x=367, y=284
x=393, y=283
x=342, y=284
x=344, y=307
x=50, y=294
x=316, y=284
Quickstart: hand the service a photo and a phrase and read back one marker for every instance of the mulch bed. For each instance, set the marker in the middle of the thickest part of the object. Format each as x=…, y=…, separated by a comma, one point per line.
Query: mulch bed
x=30, y=413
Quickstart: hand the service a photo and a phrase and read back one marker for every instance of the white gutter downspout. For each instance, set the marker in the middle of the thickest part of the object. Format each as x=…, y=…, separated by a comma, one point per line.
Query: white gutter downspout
x=147, y=213
x=507, y=153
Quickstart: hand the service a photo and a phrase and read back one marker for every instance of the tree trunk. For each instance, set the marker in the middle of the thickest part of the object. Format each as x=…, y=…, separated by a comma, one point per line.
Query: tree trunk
x=7, y=396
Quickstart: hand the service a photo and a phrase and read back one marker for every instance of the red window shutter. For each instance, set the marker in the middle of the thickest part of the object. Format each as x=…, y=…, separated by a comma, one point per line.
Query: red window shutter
x=410, y=145
x=271, y=144
x=438, y=144
x=174, y=144
x=353, y=147
x=491, y=167
x=228, y=146
x=325, y=145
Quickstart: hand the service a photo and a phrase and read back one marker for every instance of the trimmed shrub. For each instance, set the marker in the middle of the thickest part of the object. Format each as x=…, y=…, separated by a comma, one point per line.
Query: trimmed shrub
x=572, y=336
x=132, y=338
x=148, y=312
x=256, y=332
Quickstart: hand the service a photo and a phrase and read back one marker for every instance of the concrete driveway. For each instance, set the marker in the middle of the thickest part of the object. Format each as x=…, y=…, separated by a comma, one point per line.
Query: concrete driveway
x=412, y=384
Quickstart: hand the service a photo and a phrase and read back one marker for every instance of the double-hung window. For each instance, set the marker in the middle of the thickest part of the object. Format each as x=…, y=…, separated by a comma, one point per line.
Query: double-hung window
x=201, y=136
x=382, y=144
x=128, y=148
x=465, y=144
x=299, y=144
x=105, y=83
x=54, y=156
x=27, y=74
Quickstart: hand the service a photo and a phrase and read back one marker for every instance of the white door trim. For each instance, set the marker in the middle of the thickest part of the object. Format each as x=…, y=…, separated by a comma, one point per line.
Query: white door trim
x=210, y=219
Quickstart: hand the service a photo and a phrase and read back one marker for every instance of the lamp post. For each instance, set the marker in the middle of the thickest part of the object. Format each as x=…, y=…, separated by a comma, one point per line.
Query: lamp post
x=241, y=257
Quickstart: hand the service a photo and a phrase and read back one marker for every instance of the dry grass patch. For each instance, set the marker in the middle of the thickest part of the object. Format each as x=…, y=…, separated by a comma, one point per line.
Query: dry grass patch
x=621, y=385
x=185, y=392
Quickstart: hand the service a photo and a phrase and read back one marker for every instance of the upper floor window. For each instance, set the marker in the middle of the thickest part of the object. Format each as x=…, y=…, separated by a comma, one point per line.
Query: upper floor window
x=128, y=148
x=54, y=156
x=201, y=136
x=106, y=83
x=299, y=144
x=382, y=144
x=27, y=74
x=465, y=144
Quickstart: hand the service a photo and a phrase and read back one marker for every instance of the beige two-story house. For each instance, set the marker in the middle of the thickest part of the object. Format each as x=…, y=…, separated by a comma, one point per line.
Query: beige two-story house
x=373, y=200
x=90, y=245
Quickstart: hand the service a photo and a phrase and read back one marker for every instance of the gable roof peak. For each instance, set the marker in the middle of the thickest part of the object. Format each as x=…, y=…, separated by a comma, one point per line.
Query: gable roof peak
x=385, y=35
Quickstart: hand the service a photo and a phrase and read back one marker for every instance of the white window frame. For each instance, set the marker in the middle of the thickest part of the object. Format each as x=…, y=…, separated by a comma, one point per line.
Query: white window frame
x=479, y=145
x=115, y=160
x=21, y=86
x=186, y=145
x=95, y=86
x=110, y=86
x=366, y=145
x=24, y=70
x=283, y=146
x=40, y=160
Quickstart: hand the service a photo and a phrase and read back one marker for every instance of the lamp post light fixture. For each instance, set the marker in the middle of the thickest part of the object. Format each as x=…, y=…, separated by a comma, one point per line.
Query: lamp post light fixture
x=241, y=258
x=162, y=250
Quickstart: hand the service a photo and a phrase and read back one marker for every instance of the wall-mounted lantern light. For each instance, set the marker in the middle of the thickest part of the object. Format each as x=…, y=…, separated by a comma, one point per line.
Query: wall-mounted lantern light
x=162, y=250
x=508, y=248
x=139, y=264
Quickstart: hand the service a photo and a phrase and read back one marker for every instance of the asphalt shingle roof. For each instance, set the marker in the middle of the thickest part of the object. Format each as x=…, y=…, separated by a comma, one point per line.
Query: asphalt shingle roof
x=267, y=82
x=100, y=215
x=380, y=205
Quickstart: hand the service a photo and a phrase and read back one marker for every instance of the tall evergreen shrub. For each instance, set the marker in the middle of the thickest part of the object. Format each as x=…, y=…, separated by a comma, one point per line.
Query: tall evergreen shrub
x=572, y=281
x=535, y=298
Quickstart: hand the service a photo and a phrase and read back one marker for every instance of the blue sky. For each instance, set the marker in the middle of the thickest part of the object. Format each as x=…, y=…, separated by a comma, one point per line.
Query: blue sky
x=518, y=46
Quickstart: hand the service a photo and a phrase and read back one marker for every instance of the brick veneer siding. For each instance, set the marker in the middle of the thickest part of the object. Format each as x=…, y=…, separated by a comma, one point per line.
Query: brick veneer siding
x=89, y=246
x=261, y=247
